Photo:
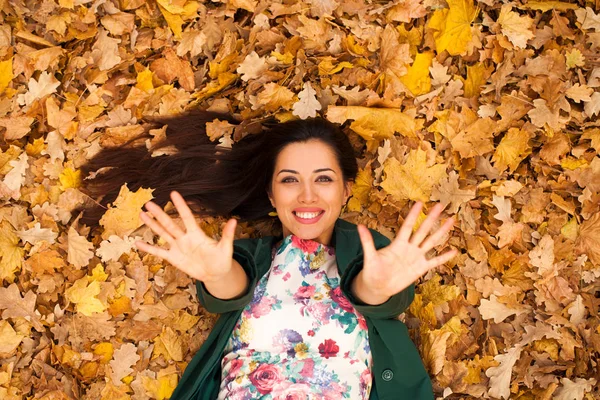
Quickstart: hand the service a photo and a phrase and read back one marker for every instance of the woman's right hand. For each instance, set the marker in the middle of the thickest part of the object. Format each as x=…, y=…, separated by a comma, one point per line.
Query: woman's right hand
x=193, y=252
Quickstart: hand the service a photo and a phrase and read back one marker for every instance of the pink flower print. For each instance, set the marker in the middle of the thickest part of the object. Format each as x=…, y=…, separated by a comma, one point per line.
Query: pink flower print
x=265, y=377
x=334, y=391
x=263, y=307
x=235, y=367
x=366, y=377
x=308, y=368
x=291, y=391
x=304, y=292
x=362, y=322
x=344, y=303
x=328, y=348
x=306, y=245
x=286, y=276
x=322, y=311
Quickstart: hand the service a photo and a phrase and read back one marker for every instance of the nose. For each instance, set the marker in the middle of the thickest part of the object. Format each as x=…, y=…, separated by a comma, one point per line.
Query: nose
x=308, y=194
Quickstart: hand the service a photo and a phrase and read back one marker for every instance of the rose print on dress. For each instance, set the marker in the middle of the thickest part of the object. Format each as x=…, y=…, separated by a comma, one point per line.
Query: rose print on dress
x=328, y=348
x=320, y=348
x=265, y=377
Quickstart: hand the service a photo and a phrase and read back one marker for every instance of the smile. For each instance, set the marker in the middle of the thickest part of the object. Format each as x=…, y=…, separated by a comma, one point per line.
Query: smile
x=308, y=217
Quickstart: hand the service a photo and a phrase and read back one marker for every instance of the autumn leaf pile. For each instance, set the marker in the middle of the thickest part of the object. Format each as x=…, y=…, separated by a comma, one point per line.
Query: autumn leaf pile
x=489, y=107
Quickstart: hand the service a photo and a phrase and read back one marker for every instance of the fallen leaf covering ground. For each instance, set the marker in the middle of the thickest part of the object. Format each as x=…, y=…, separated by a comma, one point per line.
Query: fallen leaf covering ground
x=489, y=107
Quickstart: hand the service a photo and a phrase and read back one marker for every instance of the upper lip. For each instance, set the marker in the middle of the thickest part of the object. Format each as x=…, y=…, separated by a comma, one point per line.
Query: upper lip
x=308, y=209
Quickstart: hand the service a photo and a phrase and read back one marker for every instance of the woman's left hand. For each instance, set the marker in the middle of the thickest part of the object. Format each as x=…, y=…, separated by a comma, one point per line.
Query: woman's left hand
x=393, y=268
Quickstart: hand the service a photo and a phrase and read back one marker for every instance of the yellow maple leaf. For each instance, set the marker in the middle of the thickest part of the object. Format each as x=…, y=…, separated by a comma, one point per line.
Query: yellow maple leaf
x=6, y=73
x=223, y=80
x=175, y=15
x=161, y=388
x=84, y=296
x=360, y=190
x=170, y=344
x=98, y=274
x=274, y=96
x=105, y=351
x=412, y=180
x=9, y=338
x=327, y=67
x=549, y=5
x=11, y=253
x=144, y=80
x=375, y=123
x=122, y=217
x=69, y=178
x=452, y=26
x=417, y=80
x=476, y=77
x=513, y=148
x=436, y=293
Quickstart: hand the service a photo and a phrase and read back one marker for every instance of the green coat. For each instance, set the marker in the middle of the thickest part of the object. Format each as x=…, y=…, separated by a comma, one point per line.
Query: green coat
x=398, y=372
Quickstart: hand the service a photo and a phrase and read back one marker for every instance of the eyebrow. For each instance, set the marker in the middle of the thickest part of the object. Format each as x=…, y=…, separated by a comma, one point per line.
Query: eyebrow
x=314, y=172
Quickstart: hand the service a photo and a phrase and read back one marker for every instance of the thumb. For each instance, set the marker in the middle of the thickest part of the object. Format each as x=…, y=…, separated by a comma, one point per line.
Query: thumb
x=368, y=246
x=229, y=232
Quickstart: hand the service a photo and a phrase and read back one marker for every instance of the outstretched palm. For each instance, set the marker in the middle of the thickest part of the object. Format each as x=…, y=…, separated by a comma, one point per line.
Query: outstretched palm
x=193, y=252
x=393, y=268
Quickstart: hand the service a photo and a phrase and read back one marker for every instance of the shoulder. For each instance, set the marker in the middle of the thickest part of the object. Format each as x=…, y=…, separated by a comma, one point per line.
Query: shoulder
x=258, y=249
x=349, y=231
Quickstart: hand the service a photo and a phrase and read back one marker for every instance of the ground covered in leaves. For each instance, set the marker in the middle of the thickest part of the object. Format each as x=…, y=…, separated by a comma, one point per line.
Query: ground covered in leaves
x=490, y=107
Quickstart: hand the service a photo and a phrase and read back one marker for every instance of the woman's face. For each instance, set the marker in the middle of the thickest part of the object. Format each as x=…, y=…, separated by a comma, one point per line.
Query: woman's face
x=308, y=190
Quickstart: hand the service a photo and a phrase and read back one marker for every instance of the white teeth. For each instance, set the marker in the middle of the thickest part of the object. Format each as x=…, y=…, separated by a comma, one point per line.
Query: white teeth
x=308, y=215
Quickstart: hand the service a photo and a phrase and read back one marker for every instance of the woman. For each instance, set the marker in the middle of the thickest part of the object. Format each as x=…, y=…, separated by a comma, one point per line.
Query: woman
x=310, y=313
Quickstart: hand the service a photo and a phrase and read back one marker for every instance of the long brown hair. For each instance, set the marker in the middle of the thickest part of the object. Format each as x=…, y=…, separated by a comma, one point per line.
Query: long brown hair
x=215, y=180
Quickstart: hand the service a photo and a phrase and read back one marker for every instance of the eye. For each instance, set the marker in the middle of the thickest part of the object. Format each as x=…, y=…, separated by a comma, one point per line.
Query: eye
x=325, y=177
x=288, y=179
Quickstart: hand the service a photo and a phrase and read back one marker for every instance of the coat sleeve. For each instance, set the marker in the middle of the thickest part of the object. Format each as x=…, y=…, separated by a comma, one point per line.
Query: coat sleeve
x=242, y=253
x=392, y=308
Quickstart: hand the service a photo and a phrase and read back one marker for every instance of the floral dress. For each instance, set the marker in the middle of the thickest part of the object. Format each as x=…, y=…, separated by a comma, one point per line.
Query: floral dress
x=299, y=337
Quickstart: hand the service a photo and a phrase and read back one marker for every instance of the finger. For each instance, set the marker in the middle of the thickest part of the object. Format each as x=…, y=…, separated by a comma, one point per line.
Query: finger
x=437, y=236
x=426, y=226
x=366, y=240
x=156, y=227
x=441, y=259
x=168, y=224
x=184, y=211
x=155, y=251
x=409, y=222
x=229, y=232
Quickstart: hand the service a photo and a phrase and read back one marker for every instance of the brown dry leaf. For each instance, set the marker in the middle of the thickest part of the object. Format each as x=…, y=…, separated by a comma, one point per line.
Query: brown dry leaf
x=414, y=179
x=122, y=217
x=509, y=93
x=449, y=192
x=375, y=123
x=171, y=67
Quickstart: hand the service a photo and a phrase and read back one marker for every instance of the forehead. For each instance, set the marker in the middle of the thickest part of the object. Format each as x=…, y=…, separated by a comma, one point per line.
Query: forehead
x=306, y=155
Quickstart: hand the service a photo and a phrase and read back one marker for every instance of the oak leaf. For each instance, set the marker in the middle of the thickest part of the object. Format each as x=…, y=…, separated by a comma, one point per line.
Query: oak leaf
x=515, y=27
x=252, y=67
x=123, y=359
x=307, y=105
